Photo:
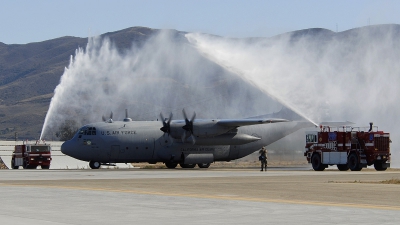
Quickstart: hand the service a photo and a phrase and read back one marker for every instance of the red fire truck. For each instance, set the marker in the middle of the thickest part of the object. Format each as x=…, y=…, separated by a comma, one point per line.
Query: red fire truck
x=29, y=156
x=348, y=147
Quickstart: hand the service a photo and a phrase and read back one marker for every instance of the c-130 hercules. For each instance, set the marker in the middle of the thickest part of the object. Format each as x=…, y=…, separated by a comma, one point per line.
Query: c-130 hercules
x=184, y=142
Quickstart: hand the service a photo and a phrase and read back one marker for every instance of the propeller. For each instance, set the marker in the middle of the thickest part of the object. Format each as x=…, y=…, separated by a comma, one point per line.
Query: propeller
x=109, y=120
x=188, y=127
x=166, y=128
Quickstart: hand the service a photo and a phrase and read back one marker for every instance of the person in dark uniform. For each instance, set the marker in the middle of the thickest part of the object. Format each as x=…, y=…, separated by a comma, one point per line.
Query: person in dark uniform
x=263, y=158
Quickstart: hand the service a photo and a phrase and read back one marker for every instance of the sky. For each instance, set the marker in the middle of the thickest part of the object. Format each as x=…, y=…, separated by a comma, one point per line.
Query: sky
x=25, y=21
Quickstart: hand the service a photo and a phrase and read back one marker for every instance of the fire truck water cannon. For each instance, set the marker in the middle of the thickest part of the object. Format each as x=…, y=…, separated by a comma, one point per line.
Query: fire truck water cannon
x=30, y=156
x=348, y=147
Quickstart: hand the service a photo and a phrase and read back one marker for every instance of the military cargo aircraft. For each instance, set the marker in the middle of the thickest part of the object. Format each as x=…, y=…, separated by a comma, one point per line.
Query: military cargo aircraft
x=187, y=142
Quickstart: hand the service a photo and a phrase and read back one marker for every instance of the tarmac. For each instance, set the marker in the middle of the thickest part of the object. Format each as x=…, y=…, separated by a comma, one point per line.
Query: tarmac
x=282, y=195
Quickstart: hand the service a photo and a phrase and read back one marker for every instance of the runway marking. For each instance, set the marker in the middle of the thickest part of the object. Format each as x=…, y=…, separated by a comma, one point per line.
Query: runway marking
x=221, y=197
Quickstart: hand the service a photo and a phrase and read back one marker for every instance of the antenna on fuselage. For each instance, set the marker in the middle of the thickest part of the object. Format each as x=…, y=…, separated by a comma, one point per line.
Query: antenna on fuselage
x=127, y=119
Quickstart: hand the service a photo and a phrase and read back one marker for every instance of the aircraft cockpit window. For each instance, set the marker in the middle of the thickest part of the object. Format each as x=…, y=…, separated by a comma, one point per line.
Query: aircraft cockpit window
x=87, y=131
x=81, y=132
x=90, y=131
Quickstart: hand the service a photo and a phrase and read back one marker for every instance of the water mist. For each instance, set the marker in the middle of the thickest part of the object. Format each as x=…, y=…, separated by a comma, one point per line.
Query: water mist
x=322, y=75
x=166, y=74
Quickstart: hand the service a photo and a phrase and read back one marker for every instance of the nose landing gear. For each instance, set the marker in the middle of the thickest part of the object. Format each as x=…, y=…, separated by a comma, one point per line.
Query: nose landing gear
x=94, y=164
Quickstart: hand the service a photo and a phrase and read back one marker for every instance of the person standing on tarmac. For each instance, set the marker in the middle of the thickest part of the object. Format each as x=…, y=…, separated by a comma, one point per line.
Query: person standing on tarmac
x=263, y=158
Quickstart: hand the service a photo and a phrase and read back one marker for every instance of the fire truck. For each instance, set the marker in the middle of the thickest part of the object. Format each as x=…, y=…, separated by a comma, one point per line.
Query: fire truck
x=29, y=156
x=351, y=148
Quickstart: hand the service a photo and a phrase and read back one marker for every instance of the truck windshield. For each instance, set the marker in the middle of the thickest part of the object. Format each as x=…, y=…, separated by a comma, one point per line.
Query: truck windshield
x=40, y=148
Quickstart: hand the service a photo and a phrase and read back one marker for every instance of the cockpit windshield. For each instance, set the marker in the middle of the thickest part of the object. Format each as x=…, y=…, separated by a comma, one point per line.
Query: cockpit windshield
x=87, y=131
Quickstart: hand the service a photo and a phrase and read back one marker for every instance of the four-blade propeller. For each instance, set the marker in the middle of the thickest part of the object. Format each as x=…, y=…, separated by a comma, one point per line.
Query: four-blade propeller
x=166, y=128
x=188, y=127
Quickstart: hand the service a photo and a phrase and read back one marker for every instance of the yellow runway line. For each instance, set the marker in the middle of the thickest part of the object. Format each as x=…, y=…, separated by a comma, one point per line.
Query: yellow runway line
x=221, y=197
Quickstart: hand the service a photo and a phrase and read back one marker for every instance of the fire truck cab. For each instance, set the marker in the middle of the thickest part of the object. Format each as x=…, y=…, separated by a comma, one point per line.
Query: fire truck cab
x=351, y=148
x=29, y=156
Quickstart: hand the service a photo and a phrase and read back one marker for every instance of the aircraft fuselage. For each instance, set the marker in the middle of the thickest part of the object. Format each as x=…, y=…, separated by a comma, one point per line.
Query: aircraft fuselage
x=142, y=141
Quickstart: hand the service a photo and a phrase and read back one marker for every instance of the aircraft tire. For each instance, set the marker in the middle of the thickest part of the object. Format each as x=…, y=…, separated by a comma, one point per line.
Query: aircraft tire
x=316, y=162
x=183, y=165
x=171, y=165
x=343, y=167
x=353, y=163
x=94, y=164
x=204, y=165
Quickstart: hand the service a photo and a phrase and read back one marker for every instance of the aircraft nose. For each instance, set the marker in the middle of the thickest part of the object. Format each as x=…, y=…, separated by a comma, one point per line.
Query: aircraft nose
x=66, y=148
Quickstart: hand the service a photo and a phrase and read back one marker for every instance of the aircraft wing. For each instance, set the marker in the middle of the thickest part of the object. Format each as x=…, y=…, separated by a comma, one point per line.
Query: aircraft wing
x=247, y=122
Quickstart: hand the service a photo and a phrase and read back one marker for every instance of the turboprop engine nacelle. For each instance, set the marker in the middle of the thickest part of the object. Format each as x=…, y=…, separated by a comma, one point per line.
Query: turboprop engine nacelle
x=201, y=128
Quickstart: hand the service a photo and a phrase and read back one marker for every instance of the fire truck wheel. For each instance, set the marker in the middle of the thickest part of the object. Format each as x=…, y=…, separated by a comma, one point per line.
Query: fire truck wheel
x=343, y=167
x=353, y=163
x=379, y=167
x=316, y=162
x=45, y=167
x=203, y=165
x=94, y=164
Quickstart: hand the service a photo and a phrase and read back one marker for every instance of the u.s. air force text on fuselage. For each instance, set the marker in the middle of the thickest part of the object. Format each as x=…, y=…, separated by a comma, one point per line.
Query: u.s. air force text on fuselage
x=117, y=132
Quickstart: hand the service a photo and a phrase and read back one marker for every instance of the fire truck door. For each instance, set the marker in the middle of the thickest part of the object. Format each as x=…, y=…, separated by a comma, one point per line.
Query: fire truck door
x=114, y=152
